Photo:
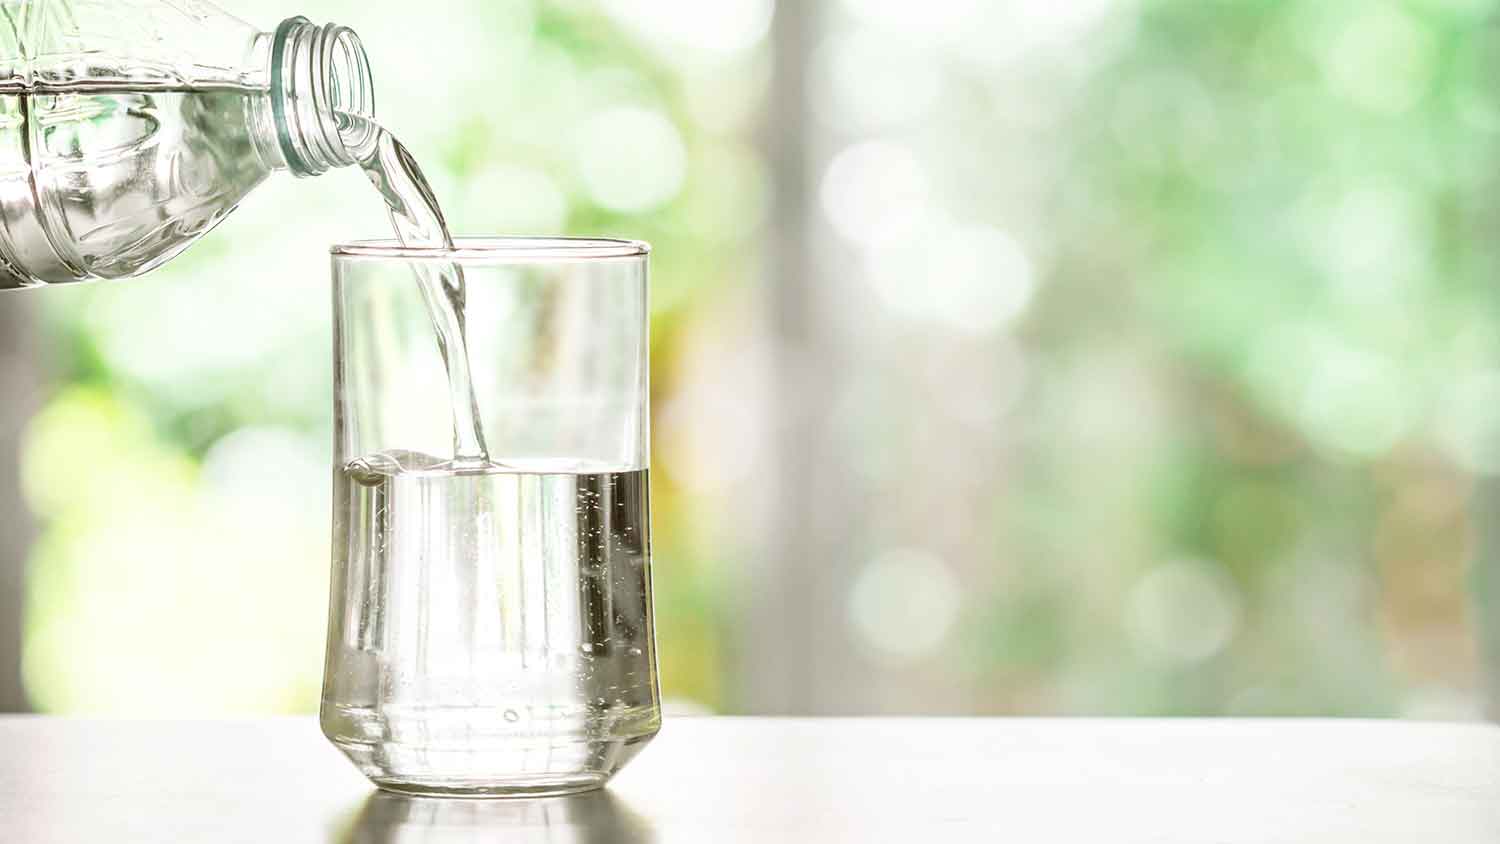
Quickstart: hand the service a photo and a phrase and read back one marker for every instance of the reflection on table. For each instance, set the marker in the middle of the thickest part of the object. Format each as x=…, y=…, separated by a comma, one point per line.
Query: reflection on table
x=597, y=817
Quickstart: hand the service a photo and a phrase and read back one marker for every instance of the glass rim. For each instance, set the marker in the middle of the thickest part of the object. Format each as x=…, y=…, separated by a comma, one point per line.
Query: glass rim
x=522, y=249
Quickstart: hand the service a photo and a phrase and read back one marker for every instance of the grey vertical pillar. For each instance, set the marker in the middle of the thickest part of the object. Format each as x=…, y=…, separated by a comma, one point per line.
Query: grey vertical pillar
x=793, y=651
x=773, y=670
x=18, y=391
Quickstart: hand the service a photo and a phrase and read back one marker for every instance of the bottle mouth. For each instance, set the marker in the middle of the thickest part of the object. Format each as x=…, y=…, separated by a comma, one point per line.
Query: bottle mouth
x=322, y=96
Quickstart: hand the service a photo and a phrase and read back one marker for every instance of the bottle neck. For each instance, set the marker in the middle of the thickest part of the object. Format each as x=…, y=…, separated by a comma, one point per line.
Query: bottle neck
x=322, y=96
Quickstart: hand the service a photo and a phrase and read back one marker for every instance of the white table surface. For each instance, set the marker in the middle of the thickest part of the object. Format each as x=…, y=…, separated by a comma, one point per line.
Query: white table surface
x=712, y=780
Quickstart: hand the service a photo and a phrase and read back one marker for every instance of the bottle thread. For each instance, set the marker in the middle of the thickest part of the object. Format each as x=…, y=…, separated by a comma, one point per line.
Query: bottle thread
x=322, y=96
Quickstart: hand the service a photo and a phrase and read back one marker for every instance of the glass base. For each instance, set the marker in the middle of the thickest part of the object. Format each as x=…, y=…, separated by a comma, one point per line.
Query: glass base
x=520, y=768
x=552, y=787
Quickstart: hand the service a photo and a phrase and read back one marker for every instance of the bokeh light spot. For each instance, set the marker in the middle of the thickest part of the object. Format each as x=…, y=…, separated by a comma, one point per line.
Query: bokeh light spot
x=875, y=193
x=1182, y=612
x=1349, y=401
x=631, y=159
x=1375, y=243
x=1467, y=427
x=903, y=604
x=1383, y=59
x=975, y=278
x=1355, y=402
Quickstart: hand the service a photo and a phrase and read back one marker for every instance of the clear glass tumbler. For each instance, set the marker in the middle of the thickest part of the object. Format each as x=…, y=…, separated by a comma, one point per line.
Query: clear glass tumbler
x=490, y=624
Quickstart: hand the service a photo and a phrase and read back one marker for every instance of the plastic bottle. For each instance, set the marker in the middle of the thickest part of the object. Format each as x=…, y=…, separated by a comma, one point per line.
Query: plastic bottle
x=130, y=128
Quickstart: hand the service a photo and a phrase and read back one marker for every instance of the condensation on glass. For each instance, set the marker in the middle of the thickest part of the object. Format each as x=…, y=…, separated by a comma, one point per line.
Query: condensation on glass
x=490, y=626
x=130, y=128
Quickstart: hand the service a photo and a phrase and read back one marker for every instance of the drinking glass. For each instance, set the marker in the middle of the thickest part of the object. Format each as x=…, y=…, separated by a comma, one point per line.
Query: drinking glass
x=490, y=624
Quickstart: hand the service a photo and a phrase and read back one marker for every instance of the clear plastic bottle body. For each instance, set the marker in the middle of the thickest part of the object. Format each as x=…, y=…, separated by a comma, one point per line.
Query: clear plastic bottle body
x=130, y=128
x=112, y=184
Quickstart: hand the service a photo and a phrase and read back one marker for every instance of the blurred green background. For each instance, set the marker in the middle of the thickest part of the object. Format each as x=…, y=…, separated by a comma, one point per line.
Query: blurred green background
x=1085, y=357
